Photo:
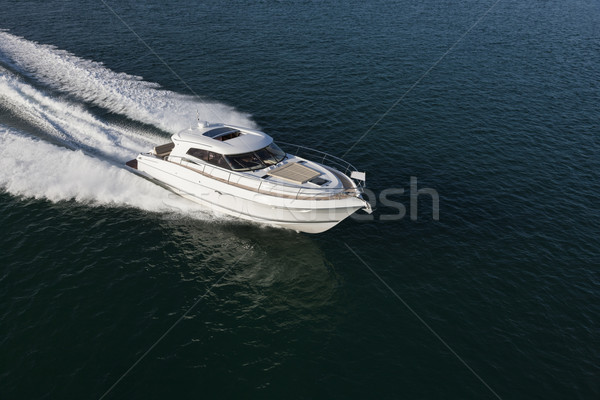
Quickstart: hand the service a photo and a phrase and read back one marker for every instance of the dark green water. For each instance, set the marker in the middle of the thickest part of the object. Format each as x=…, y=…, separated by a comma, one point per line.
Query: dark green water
x=96, y=264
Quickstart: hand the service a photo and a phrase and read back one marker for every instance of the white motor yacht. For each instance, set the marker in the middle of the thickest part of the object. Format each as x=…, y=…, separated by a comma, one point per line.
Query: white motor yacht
x=243, y=173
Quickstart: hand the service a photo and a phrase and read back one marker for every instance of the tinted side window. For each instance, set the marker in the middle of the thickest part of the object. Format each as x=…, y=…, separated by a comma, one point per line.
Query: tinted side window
x=217, y=159
x=198, y=153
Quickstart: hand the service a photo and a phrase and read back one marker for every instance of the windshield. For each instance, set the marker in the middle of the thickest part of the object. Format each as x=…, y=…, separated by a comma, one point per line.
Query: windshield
x=245, y=162
x=277, y=153
x=262, y=158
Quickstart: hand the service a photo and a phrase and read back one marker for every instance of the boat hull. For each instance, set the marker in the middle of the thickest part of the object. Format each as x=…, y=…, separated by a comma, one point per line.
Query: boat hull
x=299, y=214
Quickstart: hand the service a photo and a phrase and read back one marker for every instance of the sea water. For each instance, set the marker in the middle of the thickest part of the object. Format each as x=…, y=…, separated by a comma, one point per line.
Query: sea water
x=492, y=106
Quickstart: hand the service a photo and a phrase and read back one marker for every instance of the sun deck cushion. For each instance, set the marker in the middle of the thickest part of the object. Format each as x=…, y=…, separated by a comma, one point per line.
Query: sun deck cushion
x=295, y=173
x=164, y=149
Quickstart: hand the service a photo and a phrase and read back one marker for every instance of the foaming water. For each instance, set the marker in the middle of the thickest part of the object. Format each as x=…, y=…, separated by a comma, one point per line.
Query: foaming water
x=34, y=168
x=68, y=123
x=61, y=150
x=502, y=128
x=120, y=93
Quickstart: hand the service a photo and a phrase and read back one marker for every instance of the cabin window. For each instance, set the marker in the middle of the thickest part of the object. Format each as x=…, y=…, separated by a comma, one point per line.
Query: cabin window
x=222, y=134
x=258, y=159
x=198, y=153
x=270, y=155
x=218, y=160
x=245, y=162
x=277, y=153
x=228, y=136
x=210, y=157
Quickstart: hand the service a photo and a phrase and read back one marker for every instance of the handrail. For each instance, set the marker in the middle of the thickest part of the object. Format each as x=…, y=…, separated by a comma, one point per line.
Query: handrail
x=339, y=163
x=327, y=160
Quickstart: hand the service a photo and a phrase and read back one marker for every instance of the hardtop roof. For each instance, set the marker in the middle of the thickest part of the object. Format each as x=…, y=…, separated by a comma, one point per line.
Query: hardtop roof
x=208, y=138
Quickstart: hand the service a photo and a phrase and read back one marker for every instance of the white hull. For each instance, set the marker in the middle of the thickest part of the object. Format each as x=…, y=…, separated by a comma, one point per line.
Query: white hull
x=300, y=214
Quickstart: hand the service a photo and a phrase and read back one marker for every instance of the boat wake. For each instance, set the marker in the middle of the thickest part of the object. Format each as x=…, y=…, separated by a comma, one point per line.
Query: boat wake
x=55, y=145
x=91, y=82
x=34, y=168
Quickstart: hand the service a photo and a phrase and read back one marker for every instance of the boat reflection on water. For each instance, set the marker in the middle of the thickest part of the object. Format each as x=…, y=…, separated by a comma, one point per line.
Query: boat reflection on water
x=254, y=270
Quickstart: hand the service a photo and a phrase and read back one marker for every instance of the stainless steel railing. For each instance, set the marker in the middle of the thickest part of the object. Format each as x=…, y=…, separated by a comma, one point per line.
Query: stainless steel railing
x=325, y=159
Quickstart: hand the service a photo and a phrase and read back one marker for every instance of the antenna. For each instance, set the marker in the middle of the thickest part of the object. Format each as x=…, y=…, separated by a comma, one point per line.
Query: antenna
x=198, y=118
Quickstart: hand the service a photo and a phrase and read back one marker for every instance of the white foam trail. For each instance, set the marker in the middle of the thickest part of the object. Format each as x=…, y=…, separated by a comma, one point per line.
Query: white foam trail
x=121, y=93
x=34, y=168
x=87, y=173
x=70, y=123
